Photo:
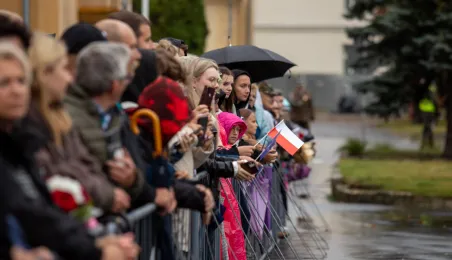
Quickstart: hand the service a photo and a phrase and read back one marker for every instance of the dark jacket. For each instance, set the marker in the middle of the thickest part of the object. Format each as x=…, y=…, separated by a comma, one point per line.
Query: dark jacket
x=87, y=120
x=132, y=144
x=26, y=197
x=73, y=160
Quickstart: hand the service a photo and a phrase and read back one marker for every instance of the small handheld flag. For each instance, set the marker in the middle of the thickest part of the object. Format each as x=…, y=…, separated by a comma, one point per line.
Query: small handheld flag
x=286, y=138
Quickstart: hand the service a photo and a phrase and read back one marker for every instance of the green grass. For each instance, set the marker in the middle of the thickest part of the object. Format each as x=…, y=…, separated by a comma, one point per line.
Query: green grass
x=423, y=178
x=405, y=127
x=386, y=151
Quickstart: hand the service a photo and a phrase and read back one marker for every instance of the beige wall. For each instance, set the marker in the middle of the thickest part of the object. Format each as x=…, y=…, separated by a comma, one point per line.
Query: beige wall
x=49, y=16
x=54, y=16
x=309, y=33
x=217, y=18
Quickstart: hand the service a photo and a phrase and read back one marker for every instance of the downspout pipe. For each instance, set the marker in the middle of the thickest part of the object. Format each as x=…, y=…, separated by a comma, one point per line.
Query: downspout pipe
x=145, y=8
x=26, y=12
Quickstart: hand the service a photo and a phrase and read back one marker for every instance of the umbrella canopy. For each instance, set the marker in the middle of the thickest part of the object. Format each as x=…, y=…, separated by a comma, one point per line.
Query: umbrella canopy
x=261, y=64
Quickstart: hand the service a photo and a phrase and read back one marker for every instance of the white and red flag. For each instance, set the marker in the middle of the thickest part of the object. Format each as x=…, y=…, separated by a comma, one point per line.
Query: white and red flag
x=286, y=138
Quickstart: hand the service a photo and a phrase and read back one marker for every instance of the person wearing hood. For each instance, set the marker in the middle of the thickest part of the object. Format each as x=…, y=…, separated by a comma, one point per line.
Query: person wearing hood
x=241, y=90
x=255, y=104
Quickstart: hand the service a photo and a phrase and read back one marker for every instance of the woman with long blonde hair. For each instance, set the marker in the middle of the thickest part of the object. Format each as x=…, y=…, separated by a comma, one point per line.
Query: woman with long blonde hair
x=62, y=152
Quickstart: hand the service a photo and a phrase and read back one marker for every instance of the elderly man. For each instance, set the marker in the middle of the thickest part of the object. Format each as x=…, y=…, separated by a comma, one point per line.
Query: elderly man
x=117, y=31
x=101, y=78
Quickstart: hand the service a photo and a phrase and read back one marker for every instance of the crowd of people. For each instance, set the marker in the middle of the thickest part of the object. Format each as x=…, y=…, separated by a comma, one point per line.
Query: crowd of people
x=78, y=138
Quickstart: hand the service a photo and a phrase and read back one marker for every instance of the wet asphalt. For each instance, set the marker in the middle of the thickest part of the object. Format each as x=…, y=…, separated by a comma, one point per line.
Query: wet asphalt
x=341, y=231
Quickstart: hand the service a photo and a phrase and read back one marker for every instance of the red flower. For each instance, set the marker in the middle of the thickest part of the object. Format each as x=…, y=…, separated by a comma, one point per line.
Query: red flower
x=64, y=200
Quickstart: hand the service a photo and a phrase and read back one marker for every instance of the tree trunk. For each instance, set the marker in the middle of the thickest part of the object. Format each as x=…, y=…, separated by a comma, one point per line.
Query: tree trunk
x=448, y=144
x=445, y=89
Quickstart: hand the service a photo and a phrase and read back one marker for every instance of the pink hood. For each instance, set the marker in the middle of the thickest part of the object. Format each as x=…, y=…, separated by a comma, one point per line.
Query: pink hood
x=228, y=121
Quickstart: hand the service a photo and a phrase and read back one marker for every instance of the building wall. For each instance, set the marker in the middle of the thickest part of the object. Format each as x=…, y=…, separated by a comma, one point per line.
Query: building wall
x=54, y=16
x=217, y=18
x=49, y=16
x=309, y=33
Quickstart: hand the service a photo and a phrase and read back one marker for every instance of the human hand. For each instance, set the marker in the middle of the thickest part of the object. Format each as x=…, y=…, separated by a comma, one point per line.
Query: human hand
x=123, y=170
x=164, y=199
x=198, y=112
x=182, y=175
x=113, y=252
x=41, y=253
x=128, y=245
x=242, y=174
x=206, y=218
x=195, y=127
x=209, y=202
x=173, y=201
x=208, y=140
x=128, y=249
x=249, y=159
x=259, y=147
x=186, y=142
x=246, y=150
x=121, y=200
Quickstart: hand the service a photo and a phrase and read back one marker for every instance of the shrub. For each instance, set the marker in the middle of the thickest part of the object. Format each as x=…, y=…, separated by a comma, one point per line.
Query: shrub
x=180, y=19
x=353, y=147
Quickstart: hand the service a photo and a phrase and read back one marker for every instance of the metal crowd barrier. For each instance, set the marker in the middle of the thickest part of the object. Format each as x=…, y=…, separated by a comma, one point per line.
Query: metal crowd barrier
x=194, y=241
x=141, y=221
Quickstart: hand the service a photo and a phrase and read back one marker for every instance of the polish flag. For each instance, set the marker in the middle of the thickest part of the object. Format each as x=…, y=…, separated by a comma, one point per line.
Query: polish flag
x=286, y=138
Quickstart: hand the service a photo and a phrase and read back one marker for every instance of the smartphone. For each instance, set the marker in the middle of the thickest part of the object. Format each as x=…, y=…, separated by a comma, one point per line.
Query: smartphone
x=206, y=99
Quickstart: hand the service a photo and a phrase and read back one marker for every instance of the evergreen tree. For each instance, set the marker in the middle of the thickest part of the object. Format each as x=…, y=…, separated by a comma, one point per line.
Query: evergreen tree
x=413, y=39
x=390, y=40
x=180, y=19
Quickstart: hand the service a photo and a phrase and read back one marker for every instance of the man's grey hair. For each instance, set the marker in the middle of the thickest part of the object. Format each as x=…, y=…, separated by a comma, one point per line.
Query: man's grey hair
x=99, y=64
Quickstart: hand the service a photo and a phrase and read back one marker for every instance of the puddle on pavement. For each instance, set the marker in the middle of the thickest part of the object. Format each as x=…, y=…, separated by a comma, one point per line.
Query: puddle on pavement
x=411, y=218
x=397, y=233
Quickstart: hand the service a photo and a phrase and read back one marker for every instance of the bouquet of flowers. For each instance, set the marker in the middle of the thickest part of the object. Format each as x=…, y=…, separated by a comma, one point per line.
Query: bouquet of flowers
x=70, y=196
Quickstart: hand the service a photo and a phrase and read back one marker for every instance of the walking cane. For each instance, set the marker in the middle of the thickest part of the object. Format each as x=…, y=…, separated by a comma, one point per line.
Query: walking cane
x=157, y=131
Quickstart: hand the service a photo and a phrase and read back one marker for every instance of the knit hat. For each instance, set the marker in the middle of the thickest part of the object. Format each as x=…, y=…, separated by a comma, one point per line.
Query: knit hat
x=78, y=36
x=165, y=97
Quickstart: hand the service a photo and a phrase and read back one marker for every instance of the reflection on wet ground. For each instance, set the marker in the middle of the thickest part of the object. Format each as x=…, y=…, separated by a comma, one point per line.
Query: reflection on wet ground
x=361, y=231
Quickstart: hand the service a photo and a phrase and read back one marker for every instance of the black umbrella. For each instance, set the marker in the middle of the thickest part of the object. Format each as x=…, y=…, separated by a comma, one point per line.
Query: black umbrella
x=261, y=64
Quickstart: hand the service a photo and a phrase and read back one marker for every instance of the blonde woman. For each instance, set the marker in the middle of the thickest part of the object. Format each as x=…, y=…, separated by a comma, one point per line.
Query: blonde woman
x=62, y=152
